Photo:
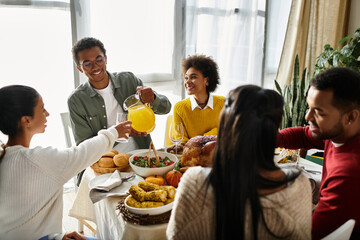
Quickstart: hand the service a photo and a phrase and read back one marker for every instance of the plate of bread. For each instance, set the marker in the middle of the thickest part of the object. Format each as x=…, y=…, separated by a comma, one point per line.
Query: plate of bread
x=112, y=161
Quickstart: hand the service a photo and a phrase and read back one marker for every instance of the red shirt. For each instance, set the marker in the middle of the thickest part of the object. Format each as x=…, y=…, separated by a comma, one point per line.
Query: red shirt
x=340, y=184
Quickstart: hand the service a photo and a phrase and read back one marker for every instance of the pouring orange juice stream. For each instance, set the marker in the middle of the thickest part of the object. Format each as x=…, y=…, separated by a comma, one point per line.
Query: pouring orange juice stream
x=140, y=114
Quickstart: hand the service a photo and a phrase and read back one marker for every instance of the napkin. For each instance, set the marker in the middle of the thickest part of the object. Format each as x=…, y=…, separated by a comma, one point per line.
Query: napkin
x=103, y=190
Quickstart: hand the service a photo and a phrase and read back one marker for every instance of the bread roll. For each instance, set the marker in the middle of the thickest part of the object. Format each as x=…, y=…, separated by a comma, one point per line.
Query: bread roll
x=121, y=159
x=114, y=151
x=106, y=162
x=109, y=154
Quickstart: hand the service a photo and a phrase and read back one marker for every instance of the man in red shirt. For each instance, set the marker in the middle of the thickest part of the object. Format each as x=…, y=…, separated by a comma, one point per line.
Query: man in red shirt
x=334, y=126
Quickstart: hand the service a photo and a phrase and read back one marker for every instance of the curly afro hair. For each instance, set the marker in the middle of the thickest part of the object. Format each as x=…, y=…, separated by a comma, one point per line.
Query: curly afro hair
x=207, y=66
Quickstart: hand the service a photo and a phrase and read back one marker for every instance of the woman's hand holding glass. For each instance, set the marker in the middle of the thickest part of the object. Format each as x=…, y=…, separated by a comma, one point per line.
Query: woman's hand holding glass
x=121, y=120
x=124, y=128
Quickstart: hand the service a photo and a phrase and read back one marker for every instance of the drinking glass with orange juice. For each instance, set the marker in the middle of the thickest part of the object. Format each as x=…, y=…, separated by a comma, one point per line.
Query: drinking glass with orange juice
x=140, y=114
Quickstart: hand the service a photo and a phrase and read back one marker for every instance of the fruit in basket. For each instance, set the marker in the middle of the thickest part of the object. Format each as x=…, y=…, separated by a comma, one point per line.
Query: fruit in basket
x=173, y=178
x=106, y=162
x=121, y=159
x=158, y=180
x=198, y=151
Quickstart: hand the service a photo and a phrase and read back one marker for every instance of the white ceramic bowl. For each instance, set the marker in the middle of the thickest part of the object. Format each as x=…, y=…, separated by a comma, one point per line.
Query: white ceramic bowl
x=150, y=211
x=160, y=171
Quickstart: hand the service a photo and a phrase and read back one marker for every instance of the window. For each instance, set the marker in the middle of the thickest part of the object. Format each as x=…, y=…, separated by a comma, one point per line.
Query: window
x=37, y=53
x=232, y=32
x=137, y=34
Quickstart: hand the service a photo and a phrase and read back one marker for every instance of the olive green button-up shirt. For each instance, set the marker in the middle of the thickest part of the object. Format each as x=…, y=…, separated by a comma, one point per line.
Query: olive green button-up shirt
x=87, y=108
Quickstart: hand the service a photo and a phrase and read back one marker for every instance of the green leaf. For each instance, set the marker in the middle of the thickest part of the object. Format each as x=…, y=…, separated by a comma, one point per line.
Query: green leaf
x=347, y=51
x=295, y=80
x=345, y=39
x=327, y=46
x=336, y=60
x=356, y=51
x=278, y=87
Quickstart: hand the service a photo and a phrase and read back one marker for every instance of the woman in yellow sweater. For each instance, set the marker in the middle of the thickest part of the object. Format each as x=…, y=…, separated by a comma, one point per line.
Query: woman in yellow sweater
x=200, y=112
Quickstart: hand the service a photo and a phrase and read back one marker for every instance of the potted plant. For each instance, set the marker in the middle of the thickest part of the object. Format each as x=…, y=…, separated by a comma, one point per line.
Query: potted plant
x=295, y=105
x=347, y=56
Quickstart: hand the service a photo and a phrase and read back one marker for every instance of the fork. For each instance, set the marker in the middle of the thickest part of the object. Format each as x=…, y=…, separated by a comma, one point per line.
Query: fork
x=128, y=177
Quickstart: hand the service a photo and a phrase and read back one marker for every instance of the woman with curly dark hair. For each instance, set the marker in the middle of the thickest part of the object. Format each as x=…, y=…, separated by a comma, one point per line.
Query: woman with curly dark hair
x=199, y=113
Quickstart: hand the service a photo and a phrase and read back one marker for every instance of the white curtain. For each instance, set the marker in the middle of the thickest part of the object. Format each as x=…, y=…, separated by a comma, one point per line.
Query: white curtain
x=232, y=32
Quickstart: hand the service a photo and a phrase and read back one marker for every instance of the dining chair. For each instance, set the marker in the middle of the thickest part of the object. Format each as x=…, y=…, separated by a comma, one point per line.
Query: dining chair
x=167, y=141
x=67, y=129
x=69, y=140
x=343, y=232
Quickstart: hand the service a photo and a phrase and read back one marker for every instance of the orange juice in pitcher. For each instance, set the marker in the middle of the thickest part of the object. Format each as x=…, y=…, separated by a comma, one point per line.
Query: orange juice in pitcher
x=140, y=114
x=142, y=117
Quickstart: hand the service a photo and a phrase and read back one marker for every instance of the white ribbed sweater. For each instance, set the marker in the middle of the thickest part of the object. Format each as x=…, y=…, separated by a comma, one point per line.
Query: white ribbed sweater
x=31, y=184
x=287, y=212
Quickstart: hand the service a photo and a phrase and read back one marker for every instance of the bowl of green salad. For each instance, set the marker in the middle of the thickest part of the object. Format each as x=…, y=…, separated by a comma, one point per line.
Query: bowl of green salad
x=139, y=162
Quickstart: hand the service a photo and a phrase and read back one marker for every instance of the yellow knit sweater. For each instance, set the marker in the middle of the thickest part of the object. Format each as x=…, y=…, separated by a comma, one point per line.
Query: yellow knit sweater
x=198, y=121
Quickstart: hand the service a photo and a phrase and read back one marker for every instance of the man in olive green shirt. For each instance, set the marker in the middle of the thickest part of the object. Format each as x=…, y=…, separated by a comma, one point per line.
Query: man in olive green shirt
x=93, y=105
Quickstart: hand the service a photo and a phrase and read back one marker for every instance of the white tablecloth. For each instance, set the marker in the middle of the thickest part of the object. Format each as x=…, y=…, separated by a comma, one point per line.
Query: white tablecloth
x=109, y=224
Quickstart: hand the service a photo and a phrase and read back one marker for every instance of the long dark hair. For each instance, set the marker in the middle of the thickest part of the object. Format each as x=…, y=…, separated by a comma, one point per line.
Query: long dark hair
x=246, y=141
x=16, y=101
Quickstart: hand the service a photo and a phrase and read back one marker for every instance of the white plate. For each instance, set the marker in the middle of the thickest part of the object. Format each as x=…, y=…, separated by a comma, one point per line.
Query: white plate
x=150, y=211
x=120, y=190
x=284, y=153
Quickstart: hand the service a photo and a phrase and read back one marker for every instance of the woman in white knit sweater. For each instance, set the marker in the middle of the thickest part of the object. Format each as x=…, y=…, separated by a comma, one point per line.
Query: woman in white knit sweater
x=245, y=195
x=31, y=180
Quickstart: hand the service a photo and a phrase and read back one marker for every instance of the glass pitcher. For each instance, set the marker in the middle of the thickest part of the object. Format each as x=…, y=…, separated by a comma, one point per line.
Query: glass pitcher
x=140, y=114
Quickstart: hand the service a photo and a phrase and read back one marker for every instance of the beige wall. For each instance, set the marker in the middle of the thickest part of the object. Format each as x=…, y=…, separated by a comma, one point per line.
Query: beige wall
x=354, y=21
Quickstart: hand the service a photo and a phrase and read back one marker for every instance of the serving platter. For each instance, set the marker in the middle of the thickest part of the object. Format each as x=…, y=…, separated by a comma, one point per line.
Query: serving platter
x=148, y=211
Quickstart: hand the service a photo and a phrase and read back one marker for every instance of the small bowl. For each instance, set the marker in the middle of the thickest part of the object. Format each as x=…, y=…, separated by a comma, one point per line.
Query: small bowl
x=160, y=171
x=150, y=211
x=167, y=149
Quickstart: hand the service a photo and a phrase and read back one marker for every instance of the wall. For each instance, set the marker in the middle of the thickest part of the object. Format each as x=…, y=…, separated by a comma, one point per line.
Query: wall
x=354, y=21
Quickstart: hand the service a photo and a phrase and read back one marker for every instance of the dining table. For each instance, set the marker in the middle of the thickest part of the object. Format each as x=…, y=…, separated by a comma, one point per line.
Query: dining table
x=104, y=213
x=110, y=223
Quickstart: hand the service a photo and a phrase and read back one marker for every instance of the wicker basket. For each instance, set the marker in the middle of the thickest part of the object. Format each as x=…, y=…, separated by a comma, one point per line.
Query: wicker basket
x=141, y=219
x=102, y=170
